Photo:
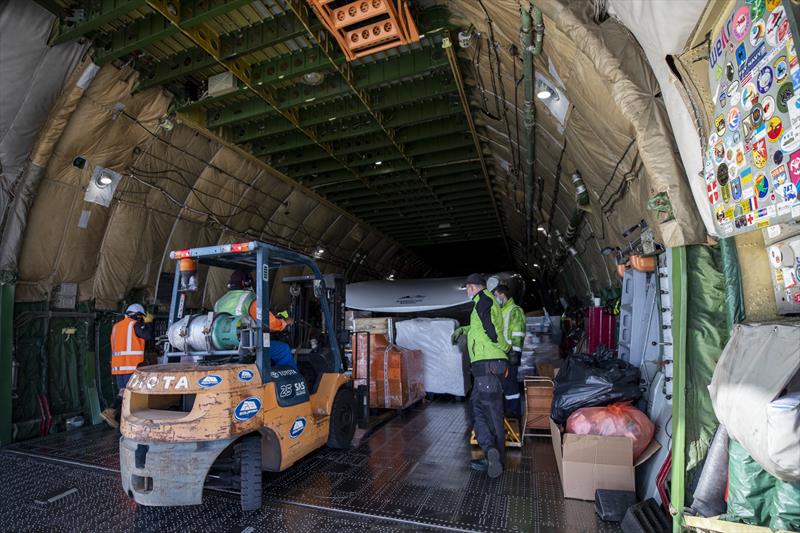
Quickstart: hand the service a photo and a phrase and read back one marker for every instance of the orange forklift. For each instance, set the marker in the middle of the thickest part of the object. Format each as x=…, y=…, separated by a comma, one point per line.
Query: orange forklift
x=215, y=410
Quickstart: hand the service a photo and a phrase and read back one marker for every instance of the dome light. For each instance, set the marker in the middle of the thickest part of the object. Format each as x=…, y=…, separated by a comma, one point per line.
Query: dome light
x=104, y=180
x=544, y=93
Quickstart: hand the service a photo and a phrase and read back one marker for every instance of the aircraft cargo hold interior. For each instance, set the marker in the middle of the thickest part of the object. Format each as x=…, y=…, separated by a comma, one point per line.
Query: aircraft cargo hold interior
x=400, y=265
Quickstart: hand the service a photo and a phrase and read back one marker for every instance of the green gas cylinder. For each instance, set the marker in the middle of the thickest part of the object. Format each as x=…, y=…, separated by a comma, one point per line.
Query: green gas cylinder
x=225, y=332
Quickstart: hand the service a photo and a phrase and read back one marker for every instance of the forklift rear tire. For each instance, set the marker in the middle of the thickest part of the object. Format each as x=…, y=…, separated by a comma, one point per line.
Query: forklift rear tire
x=343, y=419
x=250, y=472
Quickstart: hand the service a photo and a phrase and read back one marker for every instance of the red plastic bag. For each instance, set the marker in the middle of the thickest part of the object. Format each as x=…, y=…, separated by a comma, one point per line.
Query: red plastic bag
x=615, y=420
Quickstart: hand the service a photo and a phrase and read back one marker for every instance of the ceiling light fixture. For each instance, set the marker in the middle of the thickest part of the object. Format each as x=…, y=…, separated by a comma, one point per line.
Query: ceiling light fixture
x=544, y=93
x=536, y=265
x=378, y=163
x=104, y=180
x=313, y=78
x=318, y=252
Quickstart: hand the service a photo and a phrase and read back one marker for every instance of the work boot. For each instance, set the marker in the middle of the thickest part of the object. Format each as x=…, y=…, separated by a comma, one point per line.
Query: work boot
x=479, y=465
x=495, y=465
x=110, y=416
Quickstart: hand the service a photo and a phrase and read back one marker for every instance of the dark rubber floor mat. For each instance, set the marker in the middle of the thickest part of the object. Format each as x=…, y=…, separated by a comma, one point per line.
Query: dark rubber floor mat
x=411, y=473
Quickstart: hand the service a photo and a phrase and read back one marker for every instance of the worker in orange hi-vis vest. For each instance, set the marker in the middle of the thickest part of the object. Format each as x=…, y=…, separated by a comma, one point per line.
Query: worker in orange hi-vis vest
x=128, y=338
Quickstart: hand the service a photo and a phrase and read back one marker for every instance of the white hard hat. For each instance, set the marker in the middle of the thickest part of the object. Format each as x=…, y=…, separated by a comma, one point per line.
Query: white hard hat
x=134, y=309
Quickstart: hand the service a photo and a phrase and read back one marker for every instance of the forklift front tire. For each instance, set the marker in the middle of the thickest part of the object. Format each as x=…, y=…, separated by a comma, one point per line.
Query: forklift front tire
x=343, y=419
x=250, y=472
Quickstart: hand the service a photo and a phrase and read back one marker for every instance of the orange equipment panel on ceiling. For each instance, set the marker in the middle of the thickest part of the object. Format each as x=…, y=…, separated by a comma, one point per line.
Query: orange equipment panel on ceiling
x=364, y=27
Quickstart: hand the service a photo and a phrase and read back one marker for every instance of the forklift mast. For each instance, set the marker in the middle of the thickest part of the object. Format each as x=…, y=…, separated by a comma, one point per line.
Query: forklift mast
x=302, y=294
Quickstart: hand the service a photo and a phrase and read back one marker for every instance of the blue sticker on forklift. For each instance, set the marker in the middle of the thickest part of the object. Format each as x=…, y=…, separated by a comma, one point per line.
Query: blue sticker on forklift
x=209, y=381
x=245, y=375
x=297, y=427
x=247, y=409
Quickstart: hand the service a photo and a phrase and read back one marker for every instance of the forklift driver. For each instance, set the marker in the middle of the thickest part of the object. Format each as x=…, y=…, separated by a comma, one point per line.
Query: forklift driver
x=241, y=297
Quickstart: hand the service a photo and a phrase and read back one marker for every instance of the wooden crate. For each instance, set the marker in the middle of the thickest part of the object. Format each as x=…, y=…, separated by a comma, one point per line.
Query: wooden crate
x=396, y=374
x=381, y=326
x=538, y=401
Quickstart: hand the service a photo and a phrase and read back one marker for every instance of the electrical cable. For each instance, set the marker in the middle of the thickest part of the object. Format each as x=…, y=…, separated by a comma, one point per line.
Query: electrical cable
x=614, y=172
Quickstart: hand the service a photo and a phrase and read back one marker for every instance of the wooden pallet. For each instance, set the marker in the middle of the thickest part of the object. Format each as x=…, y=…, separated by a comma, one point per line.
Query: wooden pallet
x=538, y=402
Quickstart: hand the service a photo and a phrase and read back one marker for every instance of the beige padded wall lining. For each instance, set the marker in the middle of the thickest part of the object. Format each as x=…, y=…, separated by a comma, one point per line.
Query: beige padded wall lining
x=180, y=187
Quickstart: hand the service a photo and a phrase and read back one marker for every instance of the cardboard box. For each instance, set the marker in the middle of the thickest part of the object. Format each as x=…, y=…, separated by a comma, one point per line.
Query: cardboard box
x=590, y=462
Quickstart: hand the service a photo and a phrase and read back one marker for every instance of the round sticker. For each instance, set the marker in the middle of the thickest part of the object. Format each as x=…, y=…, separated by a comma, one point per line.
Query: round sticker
x=774, y=21
x=719, y=123
x=247, y=409
x=762, y=185
x=790, y=141
x=729, y=154
x=741, y=23
x=722, y=174
x=764, y=80
x=757, y=32
x=777, y=157
x=757, y=115
x=781, y=69
x=712, y=139
x=749, y=96
x=733, y=118
x=736, y=137
x=723, y=98
x=774, y=129
x=785, y=93
x=729, y=72
x=772, y=4
x=739, y=157
x=719, y=152
x=768, y=107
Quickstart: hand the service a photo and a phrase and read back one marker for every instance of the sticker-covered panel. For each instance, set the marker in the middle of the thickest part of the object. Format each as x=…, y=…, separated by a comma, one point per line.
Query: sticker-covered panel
x=752, y=165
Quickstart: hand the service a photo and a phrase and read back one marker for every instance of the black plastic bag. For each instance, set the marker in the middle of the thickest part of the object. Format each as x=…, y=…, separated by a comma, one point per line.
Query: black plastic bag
x=589, y=381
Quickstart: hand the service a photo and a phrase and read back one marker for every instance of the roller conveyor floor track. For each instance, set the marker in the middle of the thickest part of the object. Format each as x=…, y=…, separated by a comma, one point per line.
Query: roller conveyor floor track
x=409, y=475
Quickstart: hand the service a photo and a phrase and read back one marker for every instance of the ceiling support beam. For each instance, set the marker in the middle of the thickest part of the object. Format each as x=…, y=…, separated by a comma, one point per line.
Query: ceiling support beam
x=94, y=16
x=371, y=142
x=147, y=30
x=246, y=41
x=303, y=95
x=367, y=157
x=205, y=37
x=453, y=59
x=329, y=47
x=464, y=168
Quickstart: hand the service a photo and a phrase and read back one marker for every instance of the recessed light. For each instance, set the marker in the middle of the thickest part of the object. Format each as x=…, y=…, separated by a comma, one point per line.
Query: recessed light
x=311, y=99
x=378, y=163
x=536, y=265
x=104, y=179
x=544, y=94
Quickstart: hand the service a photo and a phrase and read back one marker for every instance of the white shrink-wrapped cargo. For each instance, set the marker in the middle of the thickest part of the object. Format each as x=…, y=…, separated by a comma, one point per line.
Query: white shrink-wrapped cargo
x=446, y=366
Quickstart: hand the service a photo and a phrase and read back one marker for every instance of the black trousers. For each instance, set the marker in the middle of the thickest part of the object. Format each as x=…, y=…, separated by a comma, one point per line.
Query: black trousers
x=513, y=406
x=487, y=404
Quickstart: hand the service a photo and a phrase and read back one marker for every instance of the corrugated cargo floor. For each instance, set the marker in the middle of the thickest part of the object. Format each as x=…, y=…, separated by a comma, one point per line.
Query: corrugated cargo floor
x=410, y=474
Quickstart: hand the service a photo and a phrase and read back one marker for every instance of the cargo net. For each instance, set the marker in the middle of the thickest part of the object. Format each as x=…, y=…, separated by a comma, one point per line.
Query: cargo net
x=364, y=27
